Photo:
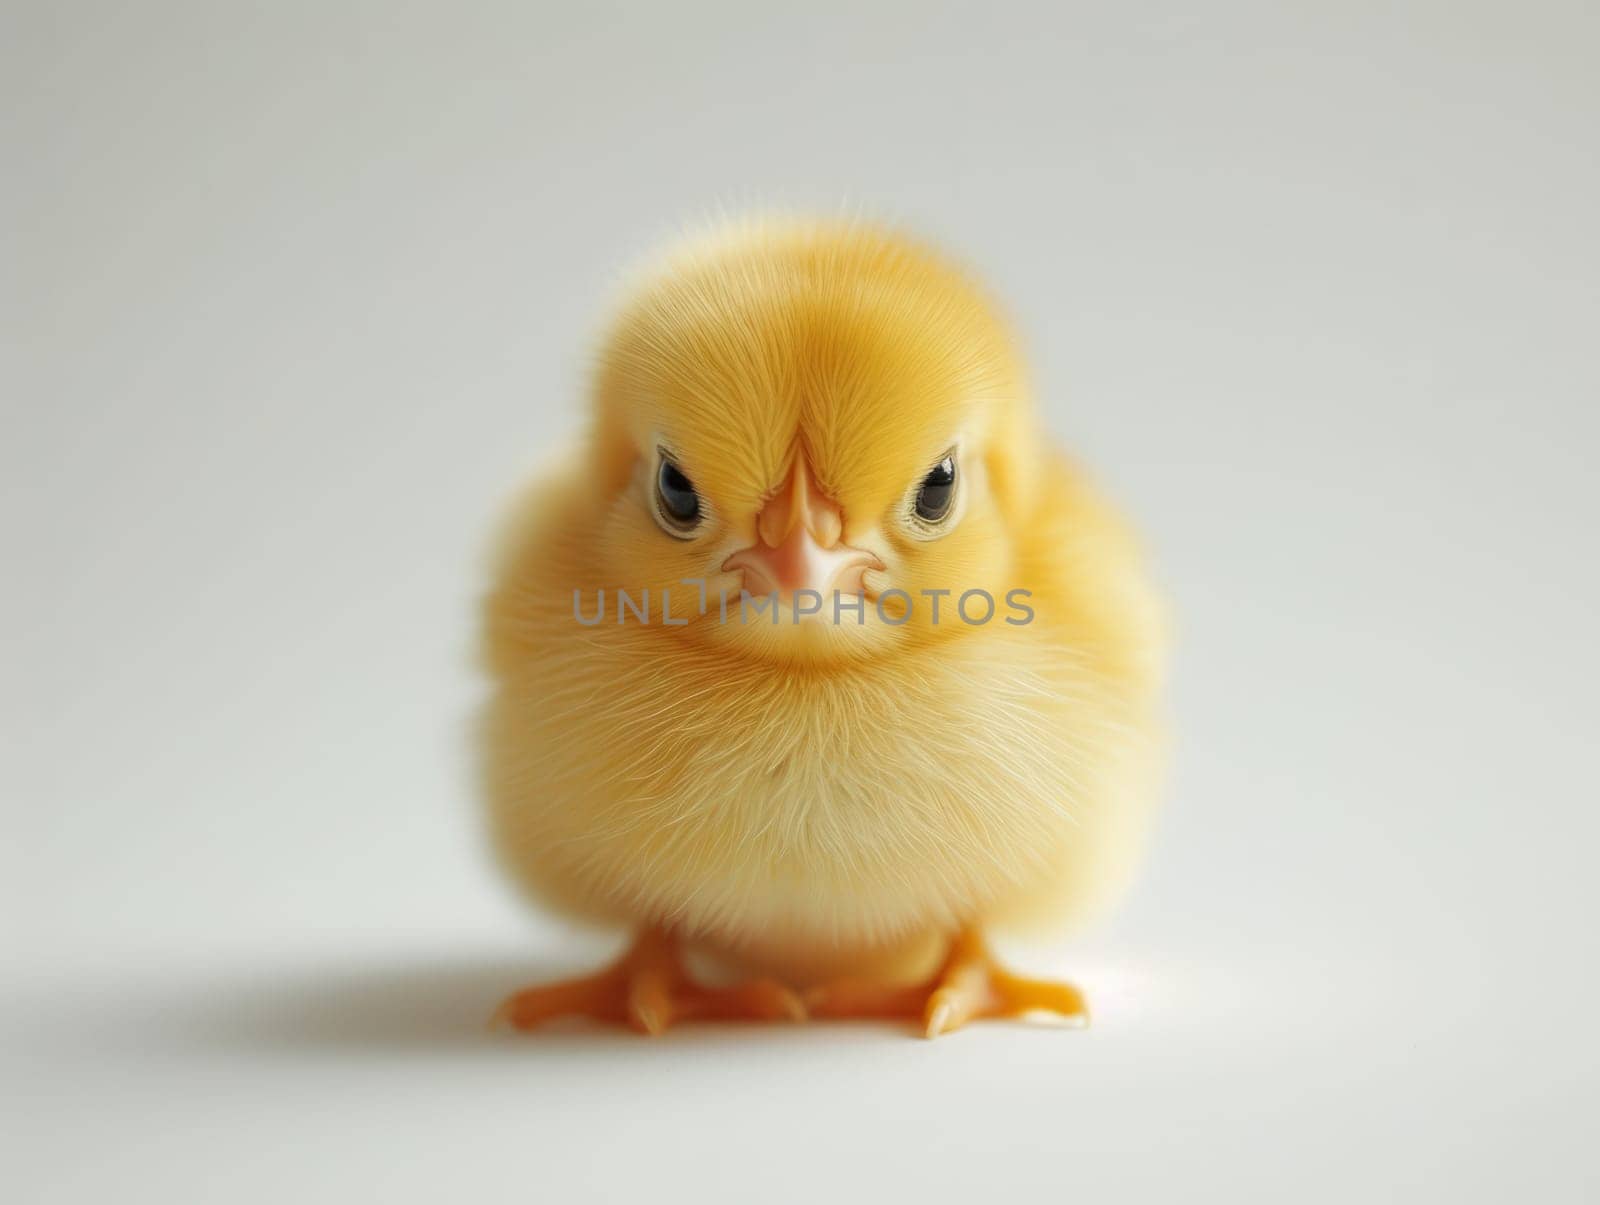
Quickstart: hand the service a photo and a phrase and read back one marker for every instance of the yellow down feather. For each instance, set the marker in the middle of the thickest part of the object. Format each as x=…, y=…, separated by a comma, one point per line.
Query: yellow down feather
x=818, y=798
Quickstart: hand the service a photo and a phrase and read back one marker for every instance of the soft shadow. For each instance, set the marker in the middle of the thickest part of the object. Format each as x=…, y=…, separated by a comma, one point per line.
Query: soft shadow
x=424, y=1006
x=443, y=1006
x=439, y=1007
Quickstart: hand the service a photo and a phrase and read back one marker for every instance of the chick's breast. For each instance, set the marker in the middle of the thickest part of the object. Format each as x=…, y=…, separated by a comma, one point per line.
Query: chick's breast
x=635, y=776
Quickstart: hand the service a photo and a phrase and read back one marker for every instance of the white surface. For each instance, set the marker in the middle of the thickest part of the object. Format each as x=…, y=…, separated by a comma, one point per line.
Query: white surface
x=294, y=295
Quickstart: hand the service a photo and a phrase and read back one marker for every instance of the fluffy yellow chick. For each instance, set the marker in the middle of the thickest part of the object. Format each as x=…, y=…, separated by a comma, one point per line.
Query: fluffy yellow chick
x=816, y=658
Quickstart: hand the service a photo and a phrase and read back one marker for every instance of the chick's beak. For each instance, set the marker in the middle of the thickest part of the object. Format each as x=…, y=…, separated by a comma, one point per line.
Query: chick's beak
x=799, y=544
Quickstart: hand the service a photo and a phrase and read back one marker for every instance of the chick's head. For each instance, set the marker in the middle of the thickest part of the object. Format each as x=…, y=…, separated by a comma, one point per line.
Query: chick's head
x=830, y=415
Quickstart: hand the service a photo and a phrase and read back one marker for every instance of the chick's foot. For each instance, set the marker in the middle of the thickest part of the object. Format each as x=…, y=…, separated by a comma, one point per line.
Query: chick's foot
x=968, y=986
x=649, y=989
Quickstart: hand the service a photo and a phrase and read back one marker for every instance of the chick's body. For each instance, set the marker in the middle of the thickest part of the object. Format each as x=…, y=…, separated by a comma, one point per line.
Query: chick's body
x=854, y=793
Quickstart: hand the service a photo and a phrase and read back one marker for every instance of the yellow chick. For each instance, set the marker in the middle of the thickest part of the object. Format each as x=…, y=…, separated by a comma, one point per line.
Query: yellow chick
x=816, y=658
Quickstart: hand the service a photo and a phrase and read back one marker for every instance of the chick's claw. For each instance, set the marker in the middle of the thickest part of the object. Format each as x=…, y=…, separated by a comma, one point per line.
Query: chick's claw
x=648, y=990
x=969, y=986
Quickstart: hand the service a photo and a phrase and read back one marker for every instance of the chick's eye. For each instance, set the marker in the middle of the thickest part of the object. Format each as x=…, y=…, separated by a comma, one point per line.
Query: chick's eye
x=937, y=492
x=678, y=503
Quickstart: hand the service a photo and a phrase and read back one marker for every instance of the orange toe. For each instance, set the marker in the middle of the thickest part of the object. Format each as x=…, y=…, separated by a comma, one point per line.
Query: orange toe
x=970, y=985
x=649, y=990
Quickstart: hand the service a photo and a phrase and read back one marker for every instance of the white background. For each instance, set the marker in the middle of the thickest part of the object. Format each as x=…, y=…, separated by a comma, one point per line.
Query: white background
x=294, y=294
